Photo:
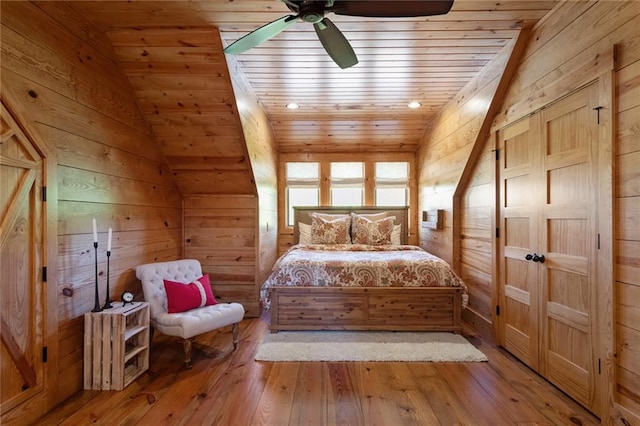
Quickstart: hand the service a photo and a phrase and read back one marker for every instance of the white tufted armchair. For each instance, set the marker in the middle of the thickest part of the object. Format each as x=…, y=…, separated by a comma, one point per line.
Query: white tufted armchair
x=190, y=323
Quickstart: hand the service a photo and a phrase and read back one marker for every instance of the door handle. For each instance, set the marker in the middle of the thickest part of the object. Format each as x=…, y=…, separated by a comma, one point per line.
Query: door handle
x=529, y=256
x=537, y=258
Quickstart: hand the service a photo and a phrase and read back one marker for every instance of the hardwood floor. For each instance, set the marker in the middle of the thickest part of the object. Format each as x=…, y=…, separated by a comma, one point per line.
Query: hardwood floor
x=230, y=388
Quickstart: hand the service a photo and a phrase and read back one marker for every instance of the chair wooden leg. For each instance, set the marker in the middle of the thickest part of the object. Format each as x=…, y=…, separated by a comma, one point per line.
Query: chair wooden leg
x=235, y=335
x=187, y=352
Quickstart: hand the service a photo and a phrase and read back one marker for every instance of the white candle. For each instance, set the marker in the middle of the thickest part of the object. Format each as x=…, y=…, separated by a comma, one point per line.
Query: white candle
x=109, y=241
x=95, y=231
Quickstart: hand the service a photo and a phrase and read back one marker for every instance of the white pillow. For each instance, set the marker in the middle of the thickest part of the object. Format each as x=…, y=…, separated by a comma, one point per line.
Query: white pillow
x=304, y=233
x=396, y=235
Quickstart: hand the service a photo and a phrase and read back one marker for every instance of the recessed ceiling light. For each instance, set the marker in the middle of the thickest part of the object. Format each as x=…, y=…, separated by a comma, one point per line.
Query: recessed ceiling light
x=293, y=105
x=414, y=104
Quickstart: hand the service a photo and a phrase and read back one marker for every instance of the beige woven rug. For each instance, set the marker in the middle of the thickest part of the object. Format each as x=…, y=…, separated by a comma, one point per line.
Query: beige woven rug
x=367, y=346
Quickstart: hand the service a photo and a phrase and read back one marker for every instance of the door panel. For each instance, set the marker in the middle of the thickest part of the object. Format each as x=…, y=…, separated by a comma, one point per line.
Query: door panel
x=518, y=298
x=548, y=206
x=21, y=300
x=568, y=240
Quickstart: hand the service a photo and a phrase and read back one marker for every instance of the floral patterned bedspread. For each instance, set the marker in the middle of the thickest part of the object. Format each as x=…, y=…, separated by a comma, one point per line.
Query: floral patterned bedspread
x=359, y=265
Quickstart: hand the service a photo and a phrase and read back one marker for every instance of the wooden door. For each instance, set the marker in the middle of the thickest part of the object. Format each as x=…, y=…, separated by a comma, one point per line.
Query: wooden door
x=548, y=187
x=21, y=289
x=568, y=240
x=519, y=228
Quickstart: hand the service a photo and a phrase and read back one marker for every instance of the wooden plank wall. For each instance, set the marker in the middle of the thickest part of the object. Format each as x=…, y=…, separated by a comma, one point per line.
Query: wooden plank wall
x=263, y=152
x=476, y=241
x=570, y=39
x=446, y=147
x=220, y=231
x=235, y=236
x=67, y=81
x=627, y=230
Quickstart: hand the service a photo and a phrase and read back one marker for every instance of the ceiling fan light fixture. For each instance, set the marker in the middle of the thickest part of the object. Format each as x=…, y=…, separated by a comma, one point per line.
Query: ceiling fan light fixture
x=414, y=104
x=293, y=105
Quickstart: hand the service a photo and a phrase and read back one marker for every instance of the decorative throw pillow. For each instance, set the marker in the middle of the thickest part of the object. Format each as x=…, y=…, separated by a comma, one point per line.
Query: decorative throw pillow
x=375, y=233
x=183, y=297
x=334, y=231
x=304, y=233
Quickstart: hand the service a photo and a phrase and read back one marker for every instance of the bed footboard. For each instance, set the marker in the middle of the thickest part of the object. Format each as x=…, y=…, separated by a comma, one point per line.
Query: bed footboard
x=366, y=308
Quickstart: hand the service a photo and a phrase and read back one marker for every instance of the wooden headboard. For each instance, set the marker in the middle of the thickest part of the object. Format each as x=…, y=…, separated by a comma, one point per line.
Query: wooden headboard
x=301, y=215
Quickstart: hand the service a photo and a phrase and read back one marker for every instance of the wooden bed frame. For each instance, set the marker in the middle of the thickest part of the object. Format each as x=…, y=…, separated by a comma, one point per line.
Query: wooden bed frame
x=364, y=308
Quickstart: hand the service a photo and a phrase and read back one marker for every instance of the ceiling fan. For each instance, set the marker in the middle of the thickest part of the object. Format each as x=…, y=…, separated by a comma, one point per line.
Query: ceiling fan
x=333, y=41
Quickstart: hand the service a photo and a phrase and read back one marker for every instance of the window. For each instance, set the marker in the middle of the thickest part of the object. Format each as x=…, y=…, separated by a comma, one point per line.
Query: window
x=347, y=184
x=392, y=184
x=303, y=186
x=327, y=181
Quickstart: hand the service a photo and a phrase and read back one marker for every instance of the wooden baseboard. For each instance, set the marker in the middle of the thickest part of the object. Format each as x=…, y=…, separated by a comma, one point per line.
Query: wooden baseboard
x=479, y=323
x=623, y=416
x=251, y=309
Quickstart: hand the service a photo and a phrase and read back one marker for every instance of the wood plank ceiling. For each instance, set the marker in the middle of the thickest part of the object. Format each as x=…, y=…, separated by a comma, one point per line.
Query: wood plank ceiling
x=181, y=80
x=426, y=59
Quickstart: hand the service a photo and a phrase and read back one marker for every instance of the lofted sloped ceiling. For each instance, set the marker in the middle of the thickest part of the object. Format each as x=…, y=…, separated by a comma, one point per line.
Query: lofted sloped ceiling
x=427, y=59
x=182, y=83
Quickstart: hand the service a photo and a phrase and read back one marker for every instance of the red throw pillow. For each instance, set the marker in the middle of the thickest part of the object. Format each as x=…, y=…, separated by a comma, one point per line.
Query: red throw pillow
x=182, y=297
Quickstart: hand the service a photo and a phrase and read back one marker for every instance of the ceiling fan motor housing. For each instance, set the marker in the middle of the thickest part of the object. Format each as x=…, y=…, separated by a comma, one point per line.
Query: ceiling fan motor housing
x=312, y=12
x=312, y=17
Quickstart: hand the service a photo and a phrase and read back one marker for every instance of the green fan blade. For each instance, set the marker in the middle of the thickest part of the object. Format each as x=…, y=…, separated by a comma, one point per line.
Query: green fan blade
x=335, y=43
x=261, y=35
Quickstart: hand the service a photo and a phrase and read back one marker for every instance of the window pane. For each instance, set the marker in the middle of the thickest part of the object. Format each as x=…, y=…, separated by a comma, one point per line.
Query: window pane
x=392, y=183
x=347, y=184
x=347, y=170
x=301, y=197
x=394, y=171
x=391, y=196
x=346, y=196
x=302, y=171
x=303, y=186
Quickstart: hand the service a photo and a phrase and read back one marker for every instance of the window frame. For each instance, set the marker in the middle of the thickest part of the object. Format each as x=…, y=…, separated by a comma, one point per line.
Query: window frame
x=325, y=159
x=358, y=182
x=299, y=183
x=405, y=184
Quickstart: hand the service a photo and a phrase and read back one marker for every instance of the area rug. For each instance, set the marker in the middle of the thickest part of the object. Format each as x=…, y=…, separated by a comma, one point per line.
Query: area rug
x=367, y=346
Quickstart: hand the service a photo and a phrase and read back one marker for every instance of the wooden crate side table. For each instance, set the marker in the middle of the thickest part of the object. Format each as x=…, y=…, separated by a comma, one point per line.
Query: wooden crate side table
x=116, y=346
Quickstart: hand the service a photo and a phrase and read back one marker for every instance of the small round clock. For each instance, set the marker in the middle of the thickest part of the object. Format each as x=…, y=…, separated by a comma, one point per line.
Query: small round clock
x=127, y=297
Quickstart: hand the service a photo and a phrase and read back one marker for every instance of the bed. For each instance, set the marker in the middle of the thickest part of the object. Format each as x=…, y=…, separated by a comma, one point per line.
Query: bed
x=371, y=286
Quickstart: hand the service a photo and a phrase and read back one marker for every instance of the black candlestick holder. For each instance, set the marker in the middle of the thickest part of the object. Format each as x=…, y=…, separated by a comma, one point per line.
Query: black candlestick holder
x=96, y=306
x=107, y=303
